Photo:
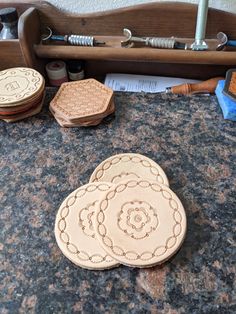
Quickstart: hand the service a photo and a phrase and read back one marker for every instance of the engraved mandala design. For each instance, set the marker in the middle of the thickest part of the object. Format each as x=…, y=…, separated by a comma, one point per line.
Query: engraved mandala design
x=85, y=220
x=137, y=219
x=62, y=224
x=171, y=243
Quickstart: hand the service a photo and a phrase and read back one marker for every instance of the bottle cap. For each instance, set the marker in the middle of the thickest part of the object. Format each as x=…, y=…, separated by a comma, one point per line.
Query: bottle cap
x=8, y=15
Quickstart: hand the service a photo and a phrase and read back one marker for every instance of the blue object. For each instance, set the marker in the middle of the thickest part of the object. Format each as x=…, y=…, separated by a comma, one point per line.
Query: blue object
x=227, y=105
x=231, y=43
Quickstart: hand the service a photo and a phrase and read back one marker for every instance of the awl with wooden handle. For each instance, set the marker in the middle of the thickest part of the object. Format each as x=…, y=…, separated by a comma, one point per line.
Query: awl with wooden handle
x=208, y=86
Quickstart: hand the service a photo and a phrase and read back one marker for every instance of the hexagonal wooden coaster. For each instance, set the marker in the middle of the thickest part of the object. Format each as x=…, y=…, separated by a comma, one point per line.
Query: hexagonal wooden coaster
x=128, y=166
x=82, y=122
x=74, y=228
x=140, y=223
x=86, y=99
x=66, y=124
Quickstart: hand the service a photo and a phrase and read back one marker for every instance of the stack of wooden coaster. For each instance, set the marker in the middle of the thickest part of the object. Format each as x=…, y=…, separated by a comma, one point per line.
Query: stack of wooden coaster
x=21, y=93
x=127, y=215
x=82, y=103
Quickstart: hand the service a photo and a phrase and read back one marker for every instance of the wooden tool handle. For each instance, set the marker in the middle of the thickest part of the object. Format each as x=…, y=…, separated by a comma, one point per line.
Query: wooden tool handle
x=208, y=86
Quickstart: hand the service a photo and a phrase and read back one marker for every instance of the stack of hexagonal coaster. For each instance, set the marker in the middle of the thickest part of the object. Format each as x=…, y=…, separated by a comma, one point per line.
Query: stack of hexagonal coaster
x=126, y=214
x=82, y=103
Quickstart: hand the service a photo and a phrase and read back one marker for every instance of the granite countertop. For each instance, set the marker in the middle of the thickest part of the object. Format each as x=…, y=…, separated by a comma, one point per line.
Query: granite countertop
x=41, y=163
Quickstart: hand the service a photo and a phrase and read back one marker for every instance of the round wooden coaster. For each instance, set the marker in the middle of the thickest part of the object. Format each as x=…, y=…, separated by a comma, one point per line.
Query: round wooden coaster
x=74, y=228
x=29, y=113
x=17, y=85
x=128, y=166
x=21, y=108
x=140, y=223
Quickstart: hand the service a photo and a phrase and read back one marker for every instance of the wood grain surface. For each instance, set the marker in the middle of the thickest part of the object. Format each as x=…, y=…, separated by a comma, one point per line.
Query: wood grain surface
x=163, y=19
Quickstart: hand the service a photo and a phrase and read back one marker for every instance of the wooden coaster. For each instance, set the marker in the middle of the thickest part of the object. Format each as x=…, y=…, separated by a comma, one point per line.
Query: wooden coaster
x=17, y=85
x=128, y=166
x=140, y=223
x=85, y=122
x=65, y=124
x=29, y=113
x=110, y=109
x=74, y=228
x=81, y=100
x=20, y=109
x=8, y=112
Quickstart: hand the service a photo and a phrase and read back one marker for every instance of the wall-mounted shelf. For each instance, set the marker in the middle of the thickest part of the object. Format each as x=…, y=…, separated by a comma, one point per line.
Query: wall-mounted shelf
x=153, y=19
x=137, y=54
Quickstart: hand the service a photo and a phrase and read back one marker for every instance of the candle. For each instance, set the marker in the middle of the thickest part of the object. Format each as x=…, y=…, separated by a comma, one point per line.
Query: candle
x=56, y=71
x=199, y=43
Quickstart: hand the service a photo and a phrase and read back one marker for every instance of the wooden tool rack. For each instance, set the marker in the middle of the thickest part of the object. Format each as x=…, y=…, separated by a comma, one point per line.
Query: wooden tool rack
x=165, y=19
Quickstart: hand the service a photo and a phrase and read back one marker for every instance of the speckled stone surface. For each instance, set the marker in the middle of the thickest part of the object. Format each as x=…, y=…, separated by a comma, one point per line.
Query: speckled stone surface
x=41, y=163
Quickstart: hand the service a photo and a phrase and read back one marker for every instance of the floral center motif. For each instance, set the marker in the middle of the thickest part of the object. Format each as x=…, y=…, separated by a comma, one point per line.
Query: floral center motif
x=137, y=219
x=85, y=219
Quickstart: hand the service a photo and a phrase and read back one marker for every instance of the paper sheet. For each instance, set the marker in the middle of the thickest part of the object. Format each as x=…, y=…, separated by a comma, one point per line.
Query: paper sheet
x=142, y=83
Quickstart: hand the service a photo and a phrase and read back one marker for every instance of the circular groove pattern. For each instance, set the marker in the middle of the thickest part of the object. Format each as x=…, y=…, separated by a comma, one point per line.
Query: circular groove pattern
x=131, y=166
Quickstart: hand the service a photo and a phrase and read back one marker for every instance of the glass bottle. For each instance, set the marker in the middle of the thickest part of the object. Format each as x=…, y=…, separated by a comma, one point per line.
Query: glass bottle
x=76, y=69
x=9, y=20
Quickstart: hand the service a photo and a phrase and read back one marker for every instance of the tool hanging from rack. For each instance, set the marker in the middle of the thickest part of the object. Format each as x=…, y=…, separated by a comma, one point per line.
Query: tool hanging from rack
x=154, y=42
x=75, y=40
x=202, y=14
x=224, y=41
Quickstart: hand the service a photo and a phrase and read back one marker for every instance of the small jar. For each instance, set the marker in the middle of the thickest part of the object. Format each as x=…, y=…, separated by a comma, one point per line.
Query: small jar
x=57, y=73
x=75, y=70
x=9, y=20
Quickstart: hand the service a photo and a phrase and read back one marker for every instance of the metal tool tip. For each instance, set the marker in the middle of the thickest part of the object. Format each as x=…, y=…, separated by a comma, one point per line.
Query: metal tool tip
x=99, y=42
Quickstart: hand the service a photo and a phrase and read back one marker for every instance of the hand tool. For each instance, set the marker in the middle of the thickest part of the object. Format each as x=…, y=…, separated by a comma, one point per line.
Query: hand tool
x=154, y=42
x=199, y=43
x=224, y=41
x=208, y=86
x=76, y=40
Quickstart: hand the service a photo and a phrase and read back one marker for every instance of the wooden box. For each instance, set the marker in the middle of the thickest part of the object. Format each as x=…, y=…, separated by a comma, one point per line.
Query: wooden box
x=163, y=19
